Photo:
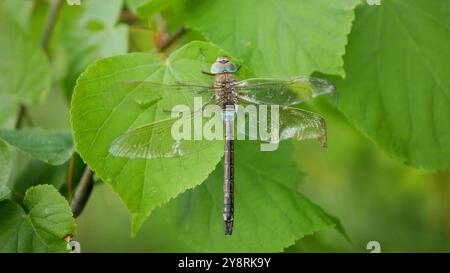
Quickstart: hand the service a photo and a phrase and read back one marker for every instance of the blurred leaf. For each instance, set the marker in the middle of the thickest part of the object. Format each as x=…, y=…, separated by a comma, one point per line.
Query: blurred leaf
x=4, y=192
x=41, y=227
x=54, y=148
x=398, y=91
x=133, y=5
x=287, y=37
x=5, y=170
x=24, y=69
x=5, y=163
x=19, y=10
x=270, y=213
x=174, y=12
x=104, y=107
x=89, y=32
x=141, y=40
x=38, y=20
x=188, y=36
x=38, y=172
x=150, y=7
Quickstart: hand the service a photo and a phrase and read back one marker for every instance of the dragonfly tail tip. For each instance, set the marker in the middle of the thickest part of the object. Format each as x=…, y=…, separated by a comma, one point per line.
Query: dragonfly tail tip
x=228, y=227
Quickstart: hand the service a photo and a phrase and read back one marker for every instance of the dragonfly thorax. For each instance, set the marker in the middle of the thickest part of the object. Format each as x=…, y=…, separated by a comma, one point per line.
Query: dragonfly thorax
x=225, y=85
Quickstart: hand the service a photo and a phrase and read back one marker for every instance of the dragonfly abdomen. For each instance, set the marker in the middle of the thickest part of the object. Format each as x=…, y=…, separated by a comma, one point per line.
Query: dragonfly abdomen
x=228, y=176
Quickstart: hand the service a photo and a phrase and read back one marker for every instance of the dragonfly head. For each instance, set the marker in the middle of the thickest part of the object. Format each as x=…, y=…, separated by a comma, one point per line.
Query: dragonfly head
x=223, y=65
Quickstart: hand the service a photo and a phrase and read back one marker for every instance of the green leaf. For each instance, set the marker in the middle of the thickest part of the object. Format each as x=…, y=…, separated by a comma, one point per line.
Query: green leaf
x=41, y=227
x=20, y=10
x=54, y=148
x=104, y=108
x=37, y=172
x=286, y=38
x=141, y=40
x=4, y=192
x=150, y=7
x=5, y=163
x=89, y=32
x=397, y=89
x=24, y=68
x=5, y=170
x=133, y=5
x=270, y=213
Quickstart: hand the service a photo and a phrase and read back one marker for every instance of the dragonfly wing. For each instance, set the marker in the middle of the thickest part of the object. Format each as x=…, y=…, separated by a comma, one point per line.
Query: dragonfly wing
x=174, y=93
x=301, y=124
x=178, y=87
x=289, y=123
x=155, y=140
x=285, y=92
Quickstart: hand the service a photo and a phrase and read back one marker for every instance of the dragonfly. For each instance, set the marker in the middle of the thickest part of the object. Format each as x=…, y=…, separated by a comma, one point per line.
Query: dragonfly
x=154, y=140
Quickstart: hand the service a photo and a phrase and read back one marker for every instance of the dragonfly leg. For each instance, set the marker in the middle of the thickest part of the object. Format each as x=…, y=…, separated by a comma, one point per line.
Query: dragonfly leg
x=207, y=73
x=202, y=69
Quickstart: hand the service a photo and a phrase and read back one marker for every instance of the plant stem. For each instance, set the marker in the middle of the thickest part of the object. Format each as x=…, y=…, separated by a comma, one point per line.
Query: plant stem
x=84, y=188
x=163, y=40
x=166, y=43
x=70, y=177
x=128, y=17
x=82, y=193
x=55, y=7
x=20, y=116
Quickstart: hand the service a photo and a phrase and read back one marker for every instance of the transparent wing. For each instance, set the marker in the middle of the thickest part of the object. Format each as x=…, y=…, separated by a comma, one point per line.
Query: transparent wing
x=292, y=123
x=285, y=92
x=175, y=93
x=300, y=124
x=178, y=87
x=155, y=140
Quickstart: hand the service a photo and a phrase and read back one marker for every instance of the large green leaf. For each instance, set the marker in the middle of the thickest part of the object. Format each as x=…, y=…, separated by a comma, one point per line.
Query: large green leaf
x=104, y=107
x=397, y=89
x=286, y=37
x=89, y=32
x=54, y=148
x=24, y=69
x=5, y=169
x=41, y=227
x=5, y=163
x=270, y=213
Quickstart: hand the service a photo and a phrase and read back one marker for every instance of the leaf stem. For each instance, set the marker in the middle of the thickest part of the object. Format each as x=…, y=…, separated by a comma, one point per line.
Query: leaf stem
x=21, y=114
x=82, y=193
x=55, y=7
x=70, y=177
x=163, y=40
x=166, y=43
x=128, y=17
